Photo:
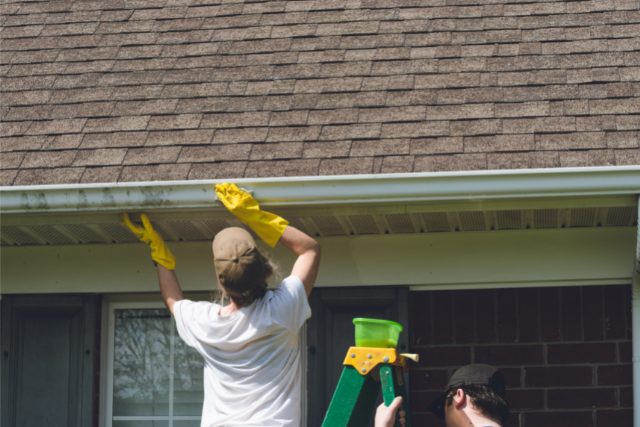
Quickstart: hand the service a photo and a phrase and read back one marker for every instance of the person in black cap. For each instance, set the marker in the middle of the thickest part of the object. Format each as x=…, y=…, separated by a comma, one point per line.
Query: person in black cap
x=474, y=396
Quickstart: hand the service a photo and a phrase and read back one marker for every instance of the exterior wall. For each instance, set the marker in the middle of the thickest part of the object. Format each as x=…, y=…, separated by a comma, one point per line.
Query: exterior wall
x=566, y=352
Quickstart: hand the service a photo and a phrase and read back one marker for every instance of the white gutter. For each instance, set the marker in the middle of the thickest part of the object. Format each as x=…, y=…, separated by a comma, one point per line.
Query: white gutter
x=635, y=328
x=349, y=190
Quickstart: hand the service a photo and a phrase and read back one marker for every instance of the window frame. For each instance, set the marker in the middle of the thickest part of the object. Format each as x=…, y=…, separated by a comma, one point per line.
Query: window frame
x=108, y=353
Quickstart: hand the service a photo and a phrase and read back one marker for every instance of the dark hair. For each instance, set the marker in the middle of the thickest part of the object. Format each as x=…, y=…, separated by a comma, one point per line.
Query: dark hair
x=486, y=399
x=252, y=285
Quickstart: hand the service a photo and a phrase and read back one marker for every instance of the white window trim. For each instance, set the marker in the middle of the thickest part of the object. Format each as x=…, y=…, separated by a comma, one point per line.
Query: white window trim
x=106, y=412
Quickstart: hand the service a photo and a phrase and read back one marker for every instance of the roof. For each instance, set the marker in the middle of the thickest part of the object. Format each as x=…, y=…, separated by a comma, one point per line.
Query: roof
x=125, y=91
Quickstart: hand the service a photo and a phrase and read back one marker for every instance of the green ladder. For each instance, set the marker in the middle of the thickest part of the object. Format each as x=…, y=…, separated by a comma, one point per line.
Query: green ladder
x=367, y=370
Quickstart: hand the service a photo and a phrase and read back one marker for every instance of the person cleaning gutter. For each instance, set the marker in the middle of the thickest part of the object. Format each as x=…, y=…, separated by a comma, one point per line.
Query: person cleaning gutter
x=250, y=346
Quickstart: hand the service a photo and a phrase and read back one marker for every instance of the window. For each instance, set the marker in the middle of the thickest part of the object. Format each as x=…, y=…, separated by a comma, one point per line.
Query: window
x=152, y=378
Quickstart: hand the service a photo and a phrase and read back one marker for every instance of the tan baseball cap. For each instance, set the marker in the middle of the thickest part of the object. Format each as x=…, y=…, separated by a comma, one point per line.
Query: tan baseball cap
x=234, y=256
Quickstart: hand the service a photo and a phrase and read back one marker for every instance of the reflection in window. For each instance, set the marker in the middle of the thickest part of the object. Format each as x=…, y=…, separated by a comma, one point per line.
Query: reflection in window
x=157, y=379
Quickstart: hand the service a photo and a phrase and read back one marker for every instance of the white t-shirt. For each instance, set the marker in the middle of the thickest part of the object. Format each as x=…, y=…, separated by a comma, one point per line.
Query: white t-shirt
x=251, y=357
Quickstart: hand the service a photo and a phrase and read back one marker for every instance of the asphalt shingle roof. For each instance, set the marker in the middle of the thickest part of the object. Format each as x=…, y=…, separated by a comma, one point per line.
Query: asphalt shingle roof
x=132, y=90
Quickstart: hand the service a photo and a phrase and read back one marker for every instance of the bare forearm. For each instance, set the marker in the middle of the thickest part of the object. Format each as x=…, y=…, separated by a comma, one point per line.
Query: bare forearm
x=169, y=286
x=308, y=251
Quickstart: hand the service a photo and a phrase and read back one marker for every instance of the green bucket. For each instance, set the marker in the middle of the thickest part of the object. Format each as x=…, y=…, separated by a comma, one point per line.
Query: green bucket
x=376, y=332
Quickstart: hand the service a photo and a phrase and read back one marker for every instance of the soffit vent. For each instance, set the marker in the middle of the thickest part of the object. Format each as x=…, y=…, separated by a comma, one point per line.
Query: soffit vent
x=199, y=229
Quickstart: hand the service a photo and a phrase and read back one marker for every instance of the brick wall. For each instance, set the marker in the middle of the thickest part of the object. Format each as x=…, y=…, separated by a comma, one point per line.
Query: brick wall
x=566, y=352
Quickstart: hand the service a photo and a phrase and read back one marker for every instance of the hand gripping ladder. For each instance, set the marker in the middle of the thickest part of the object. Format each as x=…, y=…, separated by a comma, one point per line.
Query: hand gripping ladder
x=367, y=370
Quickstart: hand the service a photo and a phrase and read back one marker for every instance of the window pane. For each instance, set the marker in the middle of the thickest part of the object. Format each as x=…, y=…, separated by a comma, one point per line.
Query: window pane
x=142, y=423
x=141, y=370
x=186, y=423
x=188, y=392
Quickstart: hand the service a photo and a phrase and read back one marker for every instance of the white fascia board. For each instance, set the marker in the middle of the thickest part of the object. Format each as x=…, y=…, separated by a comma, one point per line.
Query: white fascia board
x=352, y=190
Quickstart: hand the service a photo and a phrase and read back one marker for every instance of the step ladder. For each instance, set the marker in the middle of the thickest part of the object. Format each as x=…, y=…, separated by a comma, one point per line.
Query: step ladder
x=367, y=370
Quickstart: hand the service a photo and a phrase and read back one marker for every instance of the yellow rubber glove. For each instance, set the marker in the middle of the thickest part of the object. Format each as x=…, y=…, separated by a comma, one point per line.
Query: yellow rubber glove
x=160, y=253
x=268, y=226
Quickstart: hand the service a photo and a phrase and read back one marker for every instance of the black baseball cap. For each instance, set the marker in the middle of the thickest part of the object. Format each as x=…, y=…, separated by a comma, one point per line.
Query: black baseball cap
x=476, y=374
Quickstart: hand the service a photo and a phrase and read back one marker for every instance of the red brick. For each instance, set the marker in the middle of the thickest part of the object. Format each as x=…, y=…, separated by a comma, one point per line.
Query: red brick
x=626, y=397
x=593, y=322
x=428, y=379
x=624, y=350
x=582, y=353
x=463, y=317
x=556, y=376
x=442, y=318
x=571, y=314
x=524, y=399
x=512, y=376
x=550, y=313
x=558, y=419
x=614, y=417
x=528, y=315
x=506, y=354
x=614, y=374
x=579, y=398
x=507, y=317
x=420, y=318
x=436, y=355
x=617, y=311
x=485, y=316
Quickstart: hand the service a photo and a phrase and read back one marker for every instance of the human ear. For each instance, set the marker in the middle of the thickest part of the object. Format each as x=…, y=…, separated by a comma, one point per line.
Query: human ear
x=459, y=399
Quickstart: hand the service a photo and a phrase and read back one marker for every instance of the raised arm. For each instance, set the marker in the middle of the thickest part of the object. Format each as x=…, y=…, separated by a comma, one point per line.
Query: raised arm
x=272, y=229
x=308, y=252
x=162, y=258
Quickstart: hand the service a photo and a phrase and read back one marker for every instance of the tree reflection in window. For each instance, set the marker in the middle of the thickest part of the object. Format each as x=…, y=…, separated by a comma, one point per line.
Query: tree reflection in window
x=155, y=373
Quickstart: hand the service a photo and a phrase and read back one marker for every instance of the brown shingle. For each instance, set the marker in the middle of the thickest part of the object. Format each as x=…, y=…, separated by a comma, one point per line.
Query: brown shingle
x=217, y=170
x=279, y=150
x=49, y=127
x=351, y=166
x=227, y=136
x=326, y=149
x=273, y=168
x=396, y=164
x=380, y=147
x=587, y=158
x=113, y=139
x=7, y=176
x=124, y=123
x=162, y=172
x=235, y=120
x=178, y=137
x=487, y=144
x=414, y=129
x=214, y=153
x=455, y=162
x=19, y=143
x=12, y=160
x=175, y=121
x=302, y=133
x=437, y=145
x=360, y=131
x=100, y=157
x=140, y=156
x=100, y=174
x=58, y=175
x=570, y=141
